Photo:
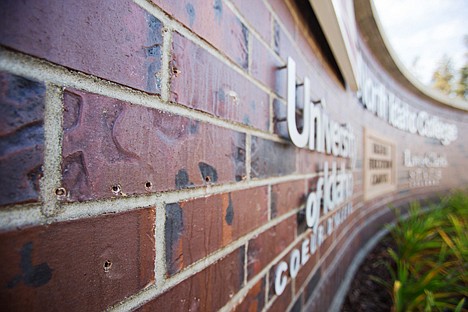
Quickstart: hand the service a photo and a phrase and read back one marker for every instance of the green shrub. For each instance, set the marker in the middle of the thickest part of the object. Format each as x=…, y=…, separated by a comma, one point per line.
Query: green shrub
x=430, y=267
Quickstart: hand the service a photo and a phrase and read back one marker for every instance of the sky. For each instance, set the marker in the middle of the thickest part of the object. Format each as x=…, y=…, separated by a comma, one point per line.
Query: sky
x=425, y=30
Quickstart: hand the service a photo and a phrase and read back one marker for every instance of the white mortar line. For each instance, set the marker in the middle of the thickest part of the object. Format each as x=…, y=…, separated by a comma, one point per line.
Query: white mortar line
x=152, y=292
x=160, y=244
x=77, y=210
x=30, y=67
x=52, y=150
x=21, y=216
x=248, y=156
x=165, y=64
x=187, y=33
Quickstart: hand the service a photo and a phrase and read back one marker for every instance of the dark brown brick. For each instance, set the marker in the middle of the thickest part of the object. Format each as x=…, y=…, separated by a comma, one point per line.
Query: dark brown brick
x=88, y=264
x=196, y=228
x=21, y=138
x=269, y=244
x=113, y=148
x=207, y=290
x=255, y=298
x=287, y=196
x=114, y=40
x=312, y=284
x=270, y=159
x=203, y=82
x=215, y=23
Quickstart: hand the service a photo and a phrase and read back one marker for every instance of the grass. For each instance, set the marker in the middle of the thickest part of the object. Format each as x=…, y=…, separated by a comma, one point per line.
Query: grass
x=429, y=266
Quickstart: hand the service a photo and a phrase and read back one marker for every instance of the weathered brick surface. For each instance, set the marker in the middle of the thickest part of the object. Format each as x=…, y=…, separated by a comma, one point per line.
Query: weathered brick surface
x=196, y=228
x=113, y=148
x=281, y=303
x=287, y=196
x=269, y=244
x=268, y=68
x=115, y=40
x=271, y=159
x=215, y=23
x=204, y=82
x=255, y=298
x=90, y=263
x=21, y=138
x=207, y=290
x=281, y=9
x=257, y=15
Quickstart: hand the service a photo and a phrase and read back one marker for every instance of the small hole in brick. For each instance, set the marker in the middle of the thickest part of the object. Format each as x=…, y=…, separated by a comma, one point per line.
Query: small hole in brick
x=148, y=185
x=60, y=191
x=107, y=265
x=208, y=179
x=116, y=189
x=176, y=71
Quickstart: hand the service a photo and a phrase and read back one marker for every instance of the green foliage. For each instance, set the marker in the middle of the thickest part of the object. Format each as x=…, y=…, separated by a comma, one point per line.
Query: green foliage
x=430, y=263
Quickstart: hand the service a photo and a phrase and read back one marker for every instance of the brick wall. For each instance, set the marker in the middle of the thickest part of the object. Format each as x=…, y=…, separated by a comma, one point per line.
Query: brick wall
x=144, y=163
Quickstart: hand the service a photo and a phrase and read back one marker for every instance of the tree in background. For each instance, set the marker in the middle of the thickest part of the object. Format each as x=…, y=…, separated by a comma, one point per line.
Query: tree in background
x=443, y=76
x=462, y=83
x=450, y=81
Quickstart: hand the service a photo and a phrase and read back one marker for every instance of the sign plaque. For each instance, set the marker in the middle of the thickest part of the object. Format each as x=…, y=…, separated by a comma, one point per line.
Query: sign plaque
x=379, y=165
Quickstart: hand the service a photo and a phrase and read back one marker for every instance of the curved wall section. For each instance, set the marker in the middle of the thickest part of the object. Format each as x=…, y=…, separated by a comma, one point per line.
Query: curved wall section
x=201, y=155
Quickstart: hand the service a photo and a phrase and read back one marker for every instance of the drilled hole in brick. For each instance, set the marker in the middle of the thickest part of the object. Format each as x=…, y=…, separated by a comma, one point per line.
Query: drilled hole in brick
x=116, y=189
x=176, y=71
x=60, y=191
x=208, y=179
x=107, y=265
x=148, y=185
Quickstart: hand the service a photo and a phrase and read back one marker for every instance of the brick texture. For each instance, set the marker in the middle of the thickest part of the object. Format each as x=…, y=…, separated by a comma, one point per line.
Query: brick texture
x=112, y=148
x=21, y=139
x=205, y=83
x=258, y=15
x=269, y=244
x=255, y=298
x=115, y=40
x=287, y=196
x=71, y=265
x=196, y=228
x=270, y=159
x=207, y=290
x=215, y=23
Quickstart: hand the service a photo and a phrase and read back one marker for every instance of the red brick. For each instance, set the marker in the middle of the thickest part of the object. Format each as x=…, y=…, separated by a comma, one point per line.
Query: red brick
x=114, y=40
x=108, y=143
x=308, y=267
x=21, y=138
x=196, y=228
x=271, y=158
x=208, y=290
x=269, y=244
x=254, y=300
x=281, y=9
x=268, y=68
x=214, y=22
x=282, y=302
x=258, y=15
x=203, y=82
x=63, y=266
x=285, y=48
x=287, y=196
